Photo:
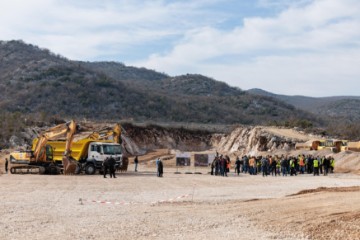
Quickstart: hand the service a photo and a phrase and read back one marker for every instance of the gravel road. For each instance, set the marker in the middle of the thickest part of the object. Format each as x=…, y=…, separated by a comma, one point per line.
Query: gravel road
x=177, y=206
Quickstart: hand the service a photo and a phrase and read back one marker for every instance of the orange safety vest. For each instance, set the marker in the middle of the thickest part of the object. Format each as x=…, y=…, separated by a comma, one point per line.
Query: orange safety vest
x=301, y=162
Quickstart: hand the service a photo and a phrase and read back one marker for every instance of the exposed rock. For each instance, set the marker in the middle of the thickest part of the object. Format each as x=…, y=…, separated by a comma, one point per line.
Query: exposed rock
x=253, y=140
x=15, y=141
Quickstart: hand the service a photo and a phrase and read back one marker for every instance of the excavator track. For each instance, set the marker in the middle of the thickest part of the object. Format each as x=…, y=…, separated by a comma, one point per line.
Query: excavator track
x=27, y=170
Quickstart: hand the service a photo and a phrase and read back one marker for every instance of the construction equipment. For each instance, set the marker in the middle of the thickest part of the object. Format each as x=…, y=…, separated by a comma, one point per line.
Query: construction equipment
x=107, y=134
x=91, y=151
x=334, y=145
x=118, y=135
x=40, y=159
x=90, y=154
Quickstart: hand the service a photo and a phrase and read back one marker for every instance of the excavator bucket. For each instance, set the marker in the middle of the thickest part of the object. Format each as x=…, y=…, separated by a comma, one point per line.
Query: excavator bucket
x=69, y=165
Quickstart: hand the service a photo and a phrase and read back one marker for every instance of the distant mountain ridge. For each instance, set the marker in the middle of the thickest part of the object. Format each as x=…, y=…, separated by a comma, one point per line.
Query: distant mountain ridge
x=340, y=107
x=36, y=81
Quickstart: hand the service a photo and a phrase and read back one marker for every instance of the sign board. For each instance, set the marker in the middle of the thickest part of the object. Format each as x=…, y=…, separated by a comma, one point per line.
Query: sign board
x=183, y=159
x=201, y=160
x=204, y=160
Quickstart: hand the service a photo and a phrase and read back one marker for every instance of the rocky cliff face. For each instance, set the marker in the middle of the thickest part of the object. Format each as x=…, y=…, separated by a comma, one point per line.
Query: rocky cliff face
x=254, y=140
x=155, y=137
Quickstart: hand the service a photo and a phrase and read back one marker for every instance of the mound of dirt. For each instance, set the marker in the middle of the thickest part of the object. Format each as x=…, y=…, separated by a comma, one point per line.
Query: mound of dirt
x=347, y=161
x=325, y=189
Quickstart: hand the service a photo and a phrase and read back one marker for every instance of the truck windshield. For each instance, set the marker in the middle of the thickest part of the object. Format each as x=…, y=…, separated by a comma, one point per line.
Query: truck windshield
x=112, y=149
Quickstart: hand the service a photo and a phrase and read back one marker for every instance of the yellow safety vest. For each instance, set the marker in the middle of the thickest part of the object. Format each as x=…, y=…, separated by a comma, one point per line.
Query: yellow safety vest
x=332, y=162
x=316, y=163
x=292, y=163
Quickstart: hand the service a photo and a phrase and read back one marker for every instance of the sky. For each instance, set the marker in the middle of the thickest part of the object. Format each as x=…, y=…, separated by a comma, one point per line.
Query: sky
x=292, y=47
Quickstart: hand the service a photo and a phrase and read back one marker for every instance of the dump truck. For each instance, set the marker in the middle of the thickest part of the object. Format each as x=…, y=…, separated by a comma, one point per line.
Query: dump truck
x=40, y=159
x=334, y=145
x=89, y=153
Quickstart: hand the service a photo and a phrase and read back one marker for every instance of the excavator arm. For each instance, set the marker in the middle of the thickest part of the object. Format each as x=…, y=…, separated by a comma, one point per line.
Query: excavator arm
x=68, y=128
x=40, y=162
x=106, y=134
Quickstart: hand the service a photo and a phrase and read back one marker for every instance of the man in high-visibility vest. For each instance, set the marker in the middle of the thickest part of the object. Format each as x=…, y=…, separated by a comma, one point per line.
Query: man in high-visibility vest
x=332, y=165
x=292, y=166
x=316, y=166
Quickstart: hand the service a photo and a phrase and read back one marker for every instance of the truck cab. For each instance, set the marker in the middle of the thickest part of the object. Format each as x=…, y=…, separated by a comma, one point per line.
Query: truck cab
x=98, y=152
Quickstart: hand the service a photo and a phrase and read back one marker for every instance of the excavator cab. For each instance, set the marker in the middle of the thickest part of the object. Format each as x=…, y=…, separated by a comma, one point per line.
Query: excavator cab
x=49, y=153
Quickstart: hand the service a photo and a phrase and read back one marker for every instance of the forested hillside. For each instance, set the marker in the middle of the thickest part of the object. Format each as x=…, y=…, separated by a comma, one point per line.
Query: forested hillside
x=37, y=85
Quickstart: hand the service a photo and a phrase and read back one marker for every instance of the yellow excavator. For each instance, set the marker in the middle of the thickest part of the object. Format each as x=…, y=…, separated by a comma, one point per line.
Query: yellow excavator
x=107, y=134
x=40, y=159
x=90, y=152
x=117, y=134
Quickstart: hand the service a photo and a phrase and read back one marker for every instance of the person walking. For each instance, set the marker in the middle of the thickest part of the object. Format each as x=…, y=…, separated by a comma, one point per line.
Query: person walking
x=6, y=165
x=136, y=161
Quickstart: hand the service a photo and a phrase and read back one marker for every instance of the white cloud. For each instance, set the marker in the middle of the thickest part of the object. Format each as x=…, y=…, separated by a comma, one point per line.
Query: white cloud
x=77, y=29
x=316, y=45
x=305, y=41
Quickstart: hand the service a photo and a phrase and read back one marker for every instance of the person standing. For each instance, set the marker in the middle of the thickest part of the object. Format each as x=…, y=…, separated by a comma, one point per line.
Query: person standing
x=246, y=164
x=332, y=165
x=111, y=163
x=136, y=161
x=326, y=164
x=222, y=166
x=251, y=165
x=105, y=166
x=316, y=166
x=302, y=164
x=264, y=166
x=237, y=166
x=274, y=167
x=283, y=166
x=160, y=168
x=213, y=166
x=6, y=165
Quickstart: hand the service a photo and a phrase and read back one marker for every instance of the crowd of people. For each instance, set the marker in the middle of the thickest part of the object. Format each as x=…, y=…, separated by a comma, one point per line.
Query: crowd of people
x=274, y=165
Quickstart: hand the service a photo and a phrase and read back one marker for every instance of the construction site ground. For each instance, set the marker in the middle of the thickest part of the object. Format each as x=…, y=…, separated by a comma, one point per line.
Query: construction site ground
x=139, y=205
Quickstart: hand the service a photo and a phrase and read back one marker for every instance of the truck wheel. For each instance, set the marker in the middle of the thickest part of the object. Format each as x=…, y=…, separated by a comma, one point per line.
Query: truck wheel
x=90, y=169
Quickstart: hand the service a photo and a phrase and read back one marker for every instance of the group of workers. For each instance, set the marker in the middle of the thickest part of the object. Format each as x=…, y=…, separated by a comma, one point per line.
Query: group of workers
x=285, y=165
x=109, y=165
x=274, y=165
x=220, y=165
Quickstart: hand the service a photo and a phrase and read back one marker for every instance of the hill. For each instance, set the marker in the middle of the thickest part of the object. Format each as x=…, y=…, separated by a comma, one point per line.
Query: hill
x=346, y=108
x=36, y=81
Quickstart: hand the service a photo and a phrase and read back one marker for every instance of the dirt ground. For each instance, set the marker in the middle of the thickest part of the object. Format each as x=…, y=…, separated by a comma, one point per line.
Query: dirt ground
x=139, y=205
